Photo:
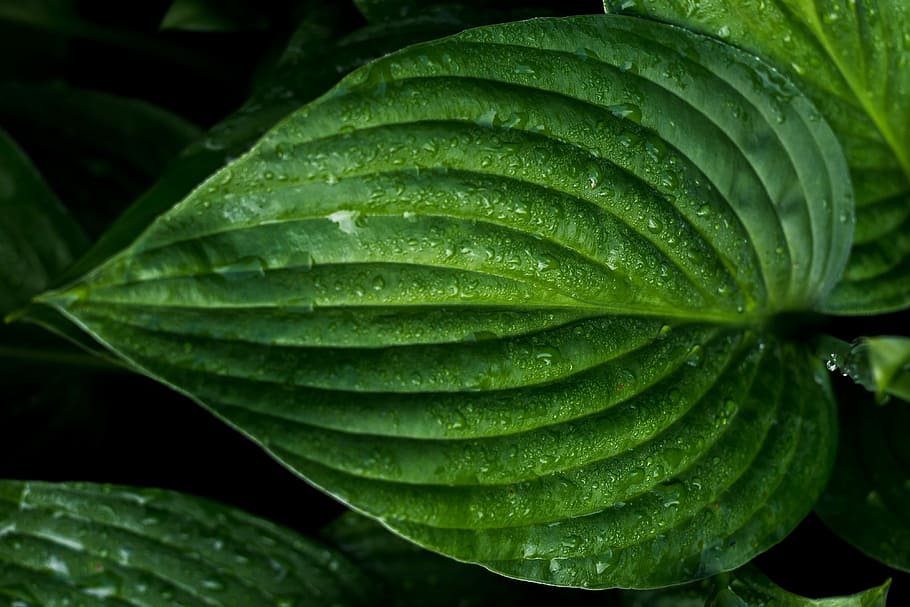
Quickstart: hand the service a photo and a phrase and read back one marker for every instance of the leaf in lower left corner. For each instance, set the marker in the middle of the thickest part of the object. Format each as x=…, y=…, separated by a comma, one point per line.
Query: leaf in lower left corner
x=86, y=544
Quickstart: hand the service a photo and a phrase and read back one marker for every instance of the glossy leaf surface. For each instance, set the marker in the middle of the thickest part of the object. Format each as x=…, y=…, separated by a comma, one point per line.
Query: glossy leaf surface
x=867, y=501
x=492, y=291
x=853, y=60
x=38, y=238
x=82, y=544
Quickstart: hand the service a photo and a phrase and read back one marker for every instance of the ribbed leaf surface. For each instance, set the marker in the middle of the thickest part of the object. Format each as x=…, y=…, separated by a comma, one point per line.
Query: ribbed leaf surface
x=86, y=545
x=504, y=291
x=853, y=60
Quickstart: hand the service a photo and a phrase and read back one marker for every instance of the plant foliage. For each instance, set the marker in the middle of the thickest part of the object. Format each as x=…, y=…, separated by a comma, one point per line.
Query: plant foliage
x=549, y=296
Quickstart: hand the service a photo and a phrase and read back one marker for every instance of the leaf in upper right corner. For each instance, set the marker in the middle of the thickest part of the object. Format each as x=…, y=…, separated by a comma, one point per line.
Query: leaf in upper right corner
x=853, y=60
x=746, y=587
x=867, y=501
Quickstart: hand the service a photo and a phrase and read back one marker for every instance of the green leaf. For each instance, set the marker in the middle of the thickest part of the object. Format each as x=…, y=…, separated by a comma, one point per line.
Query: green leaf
x=747, y=587
x=211, y=16
x=492, y=291
x=867, y=501
x=851, y=59
x=84, y=544
x=38, y=238
x=879, y=364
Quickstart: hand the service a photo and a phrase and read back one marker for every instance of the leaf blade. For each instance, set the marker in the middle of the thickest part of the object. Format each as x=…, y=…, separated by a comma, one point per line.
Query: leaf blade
x=99, y=543
x=851, y=61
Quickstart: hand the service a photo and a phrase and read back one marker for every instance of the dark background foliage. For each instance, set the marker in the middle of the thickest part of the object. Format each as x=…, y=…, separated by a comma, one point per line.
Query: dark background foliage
x=67, y=417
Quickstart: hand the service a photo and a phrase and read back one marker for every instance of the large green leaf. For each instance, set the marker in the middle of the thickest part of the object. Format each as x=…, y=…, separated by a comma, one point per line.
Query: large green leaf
x=746, y=587
x=87, y=545
x=508, y=292
x=867, y=501
x=851, y=59
x=38, y=238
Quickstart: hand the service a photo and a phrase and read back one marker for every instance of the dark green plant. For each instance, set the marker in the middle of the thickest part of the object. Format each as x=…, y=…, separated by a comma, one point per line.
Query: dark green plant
x=560, y=296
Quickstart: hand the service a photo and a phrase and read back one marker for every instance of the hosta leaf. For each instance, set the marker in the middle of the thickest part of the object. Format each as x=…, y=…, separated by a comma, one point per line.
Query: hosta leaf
x=851, y=58
x=493, y=291
x=83, y=544
x=746, y=587
x=867, y=501
x=38, y=238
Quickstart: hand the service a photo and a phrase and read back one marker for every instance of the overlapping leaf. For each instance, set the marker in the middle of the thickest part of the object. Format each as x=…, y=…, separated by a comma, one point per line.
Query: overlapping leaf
x=506, y=292
x=82, y=544
x=851, y=58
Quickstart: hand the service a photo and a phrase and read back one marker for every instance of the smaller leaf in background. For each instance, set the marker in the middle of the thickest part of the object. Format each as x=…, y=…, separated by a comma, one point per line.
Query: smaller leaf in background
x=38, y=237
x=97, y=150
x=213, y=16
x=746, y=587
x=99, y=545
x=867, y=501
x=879, y=364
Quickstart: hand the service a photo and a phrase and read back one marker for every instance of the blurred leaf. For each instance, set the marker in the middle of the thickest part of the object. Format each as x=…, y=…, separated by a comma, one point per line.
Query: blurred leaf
x=83, y=544
x=867, y=501
x=53, y=15
x=409, y=574
x=38, y=237
x=98, y=151
x=213, y=16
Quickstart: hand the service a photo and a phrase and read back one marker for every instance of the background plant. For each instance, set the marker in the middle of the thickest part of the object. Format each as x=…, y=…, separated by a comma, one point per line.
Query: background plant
x=625, y=311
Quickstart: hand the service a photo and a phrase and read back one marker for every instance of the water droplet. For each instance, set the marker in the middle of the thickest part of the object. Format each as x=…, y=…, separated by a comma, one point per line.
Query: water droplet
x=378, y=283
x=629, y=111
x=723, y=32
x=654, y=225
x=345, y=220
x=523, y=69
